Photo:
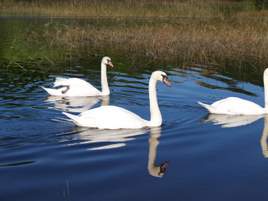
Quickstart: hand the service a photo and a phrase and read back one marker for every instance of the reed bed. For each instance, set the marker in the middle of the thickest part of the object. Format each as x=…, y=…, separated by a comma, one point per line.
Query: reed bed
x=236, y=42
x=124, y=8
x=154, y=31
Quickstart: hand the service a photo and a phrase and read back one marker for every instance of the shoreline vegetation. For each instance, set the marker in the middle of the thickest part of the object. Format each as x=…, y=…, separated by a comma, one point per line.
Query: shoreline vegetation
x=171, y=31
x=133, y=8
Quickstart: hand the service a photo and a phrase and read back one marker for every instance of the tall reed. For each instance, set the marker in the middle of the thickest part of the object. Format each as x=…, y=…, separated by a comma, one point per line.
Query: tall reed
x=186, y=41
x=115, y=8
x=194, y=31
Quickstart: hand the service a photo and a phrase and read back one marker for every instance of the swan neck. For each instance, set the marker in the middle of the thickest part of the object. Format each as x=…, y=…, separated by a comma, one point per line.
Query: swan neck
x=105, y=101
x=156, y=118
x=265, y=83
x=104, y=81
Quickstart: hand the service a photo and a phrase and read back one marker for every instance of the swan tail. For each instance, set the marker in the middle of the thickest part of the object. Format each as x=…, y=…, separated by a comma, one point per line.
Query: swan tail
x=53, y=92
x=60, y=81
x=208, y=107
x=76, y=119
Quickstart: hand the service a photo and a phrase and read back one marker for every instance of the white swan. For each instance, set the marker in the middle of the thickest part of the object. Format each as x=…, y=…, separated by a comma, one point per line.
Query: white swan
x=238, y=106
x=70, y=87
x=112, y=117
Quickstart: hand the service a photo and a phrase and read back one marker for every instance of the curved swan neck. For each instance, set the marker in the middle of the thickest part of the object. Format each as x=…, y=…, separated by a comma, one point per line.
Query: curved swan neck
x=104, y=82
x=156, y=118
x=265, y=83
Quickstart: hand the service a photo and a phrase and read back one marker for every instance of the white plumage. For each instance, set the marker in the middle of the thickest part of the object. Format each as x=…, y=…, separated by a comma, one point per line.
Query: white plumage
x=234, y=106
x=238, y=106
x=113, y=117
x=73, y=87
x=108, y=117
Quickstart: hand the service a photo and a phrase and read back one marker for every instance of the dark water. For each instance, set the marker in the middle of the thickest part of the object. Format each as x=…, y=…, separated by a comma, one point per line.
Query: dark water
x=45, y=157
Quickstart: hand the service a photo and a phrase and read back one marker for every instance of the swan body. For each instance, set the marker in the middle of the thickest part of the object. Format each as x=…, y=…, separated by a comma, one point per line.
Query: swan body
x=102, y=118
x=234, y=106
x=238, y=106
x=73, y=87
x=113, y=117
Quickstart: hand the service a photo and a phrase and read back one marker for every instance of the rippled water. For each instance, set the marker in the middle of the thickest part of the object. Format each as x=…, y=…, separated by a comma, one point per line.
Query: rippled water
x=45, y=157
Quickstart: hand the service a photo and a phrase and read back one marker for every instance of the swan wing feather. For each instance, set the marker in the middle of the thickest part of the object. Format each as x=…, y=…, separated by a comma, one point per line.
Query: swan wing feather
x=60, y=81
x=109, y=117
x=234, y=106
x=77, y=87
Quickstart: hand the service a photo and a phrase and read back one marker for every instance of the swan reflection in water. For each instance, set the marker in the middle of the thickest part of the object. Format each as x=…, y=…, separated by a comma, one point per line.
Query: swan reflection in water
x=76, y=104
x=264, y=137
x=228, y=121
x=109, y=139
x=153, y=169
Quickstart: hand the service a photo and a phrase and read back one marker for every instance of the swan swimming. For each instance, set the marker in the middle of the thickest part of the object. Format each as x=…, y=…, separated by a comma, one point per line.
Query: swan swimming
x=70, y=87
x=113, y=117
x=238, y=106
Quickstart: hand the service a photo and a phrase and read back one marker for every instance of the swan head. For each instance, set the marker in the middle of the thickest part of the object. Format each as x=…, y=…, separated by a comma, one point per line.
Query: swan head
x=161, y=76
x=107, y=61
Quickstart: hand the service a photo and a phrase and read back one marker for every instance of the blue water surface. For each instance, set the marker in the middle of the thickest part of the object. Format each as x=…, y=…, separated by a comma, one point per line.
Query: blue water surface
x=43, y=156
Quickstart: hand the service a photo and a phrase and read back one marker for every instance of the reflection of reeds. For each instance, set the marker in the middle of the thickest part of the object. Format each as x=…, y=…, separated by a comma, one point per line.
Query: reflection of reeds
x=193, y=41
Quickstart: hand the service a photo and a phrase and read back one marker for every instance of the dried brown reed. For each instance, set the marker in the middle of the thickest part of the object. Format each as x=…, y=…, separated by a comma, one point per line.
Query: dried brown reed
x=215, y=42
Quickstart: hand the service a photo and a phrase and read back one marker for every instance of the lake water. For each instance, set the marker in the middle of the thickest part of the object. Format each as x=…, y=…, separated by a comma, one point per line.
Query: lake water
x=45, y=157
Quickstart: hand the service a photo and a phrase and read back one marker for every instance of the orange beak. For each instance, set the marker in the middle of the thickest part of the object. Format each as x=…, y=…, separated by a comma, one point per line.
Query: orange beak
x=110, y=64
x=166, y=81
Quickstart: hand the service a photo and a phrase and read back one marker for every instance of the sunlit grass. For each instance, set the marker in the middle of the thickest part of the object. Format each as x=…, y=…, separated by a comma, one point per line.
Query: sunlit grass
x=214, y=42
x=168, y=31
x=124, y=8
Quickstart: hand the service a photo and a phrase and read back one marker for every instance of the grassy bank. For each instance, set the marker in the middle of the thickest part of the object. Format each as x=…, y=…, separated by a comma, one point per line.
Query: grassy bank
x=126, y=8
x=145, y=31
x=237, y=42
